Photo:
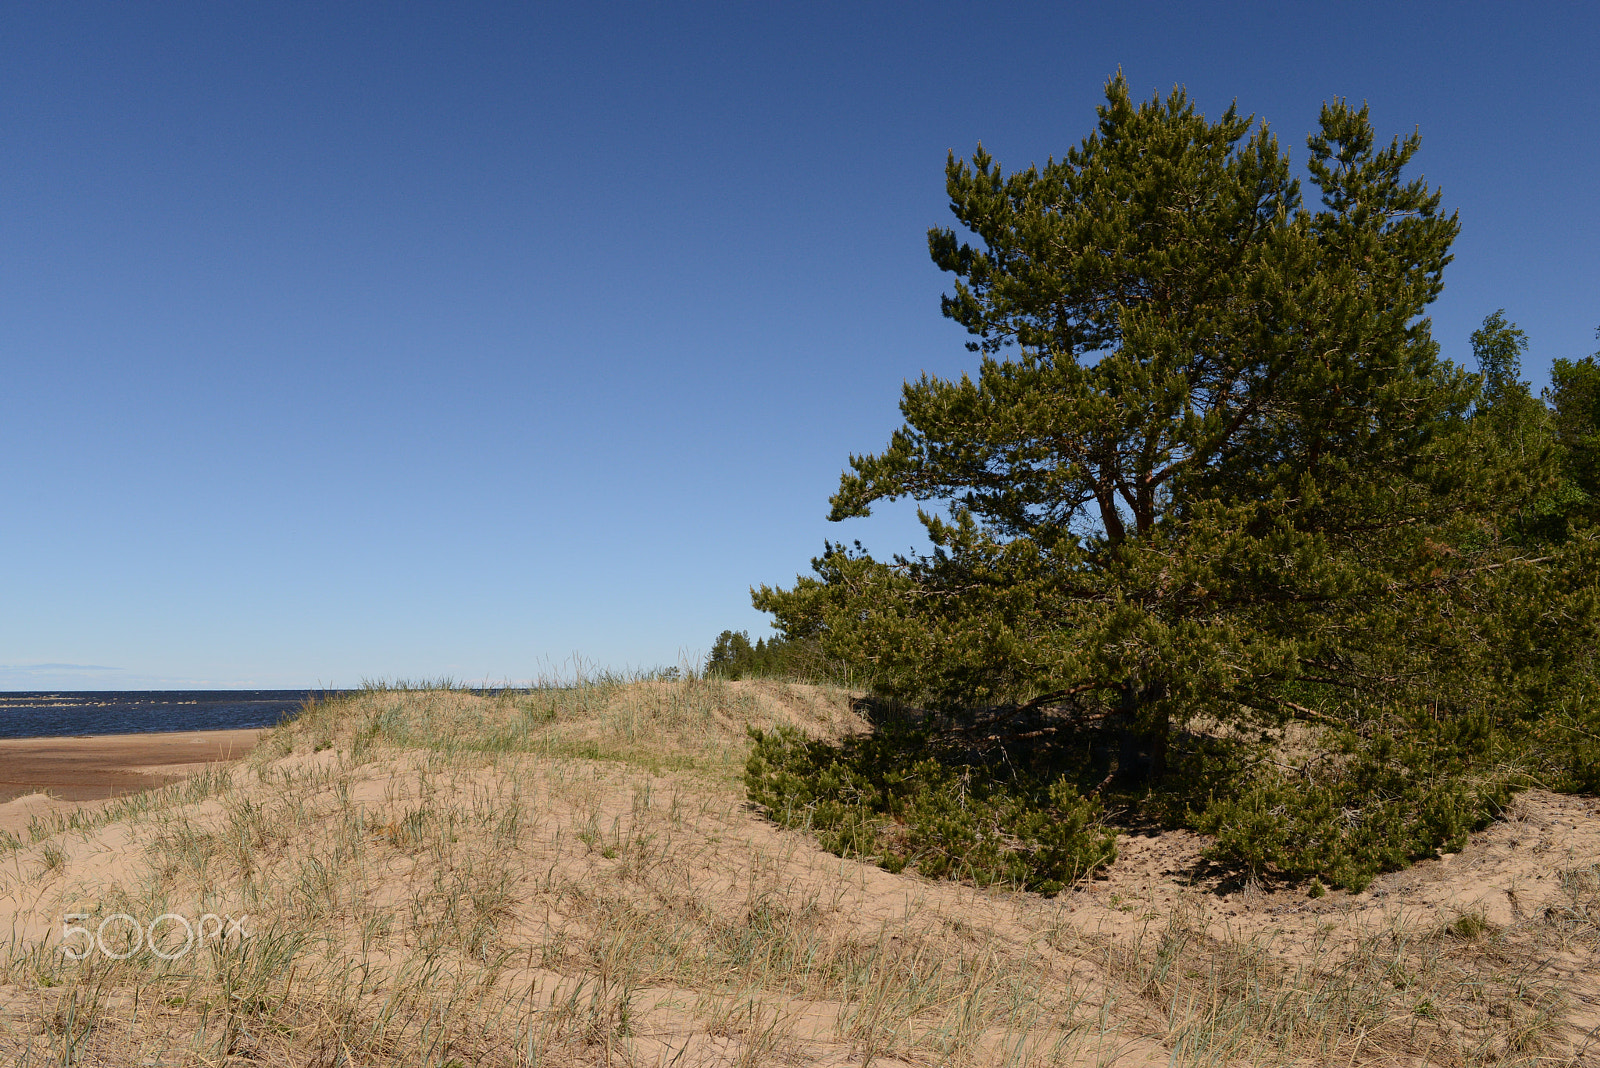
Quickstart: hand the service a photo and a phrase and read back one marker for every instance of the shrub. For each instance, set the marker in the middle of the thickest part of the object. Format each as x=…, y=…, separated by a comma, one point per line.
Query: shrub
x=1372, y=805
x=894, y=797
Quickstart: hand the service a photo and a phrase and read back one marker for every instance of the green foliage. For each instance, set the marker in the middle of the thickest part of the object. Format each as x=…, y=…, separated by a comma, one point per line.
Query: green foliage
x=1527, y=436
x=1223, y=436
x=895, y=797
x=1213, y=471
x=1367, y=805
x=1574, y=396
x=1498, y=346
x=733, y=657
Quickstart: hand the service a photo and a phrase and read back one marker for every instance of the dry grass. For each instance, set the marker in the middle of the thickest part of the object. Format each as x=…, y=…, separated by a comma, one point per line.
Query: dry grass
x=570, y=877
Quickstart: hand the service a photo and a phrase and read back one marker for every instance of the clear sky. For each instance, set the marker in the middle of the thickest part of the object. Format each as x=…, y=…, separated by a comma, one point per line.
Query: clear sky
x=347, y=341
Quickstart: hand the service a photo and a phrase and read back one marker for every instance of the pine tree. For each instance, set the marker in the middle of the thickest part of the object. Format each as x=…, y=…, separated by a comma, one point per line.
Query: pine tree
x=1521, y=426
x=1574, y=395
x=1212, y=465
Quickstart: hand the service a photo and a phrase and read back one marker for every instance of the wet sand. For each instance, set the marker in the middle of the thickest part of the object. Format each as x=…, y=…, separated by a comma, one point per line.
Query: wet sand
x=111, y=765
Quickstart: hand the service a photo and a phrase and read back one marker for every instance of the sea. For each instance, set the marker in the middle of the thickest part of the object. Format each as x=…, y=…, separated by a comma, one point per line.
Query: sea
x=65, y=713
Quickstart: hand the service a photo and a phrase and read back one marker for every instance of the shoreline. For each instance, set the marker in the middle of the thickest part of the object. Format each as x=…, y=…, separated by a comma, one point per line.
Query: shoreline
x=100, y=767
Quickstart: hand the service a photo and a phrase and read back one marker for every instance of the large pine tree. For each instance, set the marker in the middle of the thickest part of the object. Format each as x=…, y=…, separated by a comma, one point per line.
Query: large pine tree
x=1212, y=465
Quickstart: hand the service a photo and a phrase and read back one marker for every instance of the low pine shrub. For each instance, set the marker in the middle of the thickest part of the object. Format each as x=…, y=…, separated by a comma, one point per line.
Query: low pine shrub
x=894, y=796
x=1372, y=805
x=1333, y=808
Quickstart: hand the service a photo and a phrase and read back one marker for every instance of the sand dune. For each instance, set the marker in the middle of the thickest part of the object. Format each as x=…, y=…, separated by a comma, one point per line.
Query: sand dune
x=574, y=878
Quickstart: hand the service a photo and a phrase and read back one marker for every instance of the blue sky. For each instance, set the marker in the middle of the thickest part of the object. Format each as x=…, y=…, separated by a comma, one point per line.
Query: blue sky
x=349, y=341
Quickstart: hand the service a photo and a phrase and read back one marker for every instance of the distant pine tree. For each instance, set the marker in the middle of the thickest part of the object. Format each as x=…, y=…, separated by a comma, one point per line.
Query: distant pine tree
x=733, y=657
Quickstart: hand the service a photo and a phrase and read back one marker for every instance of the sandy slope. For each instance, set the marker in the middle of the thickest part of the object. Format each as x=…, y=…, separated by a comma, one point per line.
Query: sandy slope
x=441, y=878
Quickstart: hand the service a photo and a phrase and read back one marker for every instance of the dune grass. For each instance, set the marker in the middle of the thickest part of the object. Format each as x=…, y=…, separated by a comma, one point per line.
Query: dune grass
x=571, y=876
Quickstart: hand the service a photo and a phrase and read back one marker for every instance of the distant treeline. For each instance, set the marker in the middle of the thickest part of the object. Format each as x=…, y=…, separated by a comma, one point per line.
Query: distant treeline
x=802, y=660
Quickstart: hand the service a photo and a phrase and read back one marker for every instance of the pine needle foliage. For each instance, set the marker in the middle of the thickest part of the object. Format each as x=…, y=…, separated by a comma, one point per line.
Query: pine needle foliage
x=1574, y=397
x=901, y=797
x=734, y=657
x=1213, y=478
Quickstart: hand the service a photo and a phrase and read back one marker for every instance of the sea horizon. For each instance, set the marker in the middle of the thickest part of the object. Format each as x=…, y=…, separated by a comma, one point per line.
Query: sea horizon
x=52, y=713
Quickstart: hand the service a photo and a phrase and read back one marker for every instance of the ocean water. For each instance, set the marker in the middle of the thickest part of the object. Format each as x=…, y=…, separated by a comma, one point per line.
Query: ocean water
x=45, y=714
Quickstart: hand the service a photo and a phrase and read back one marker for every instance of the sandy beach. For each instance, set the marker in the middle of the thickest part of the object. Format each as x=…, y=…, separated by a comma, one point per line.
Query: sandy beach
x=39, y=774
